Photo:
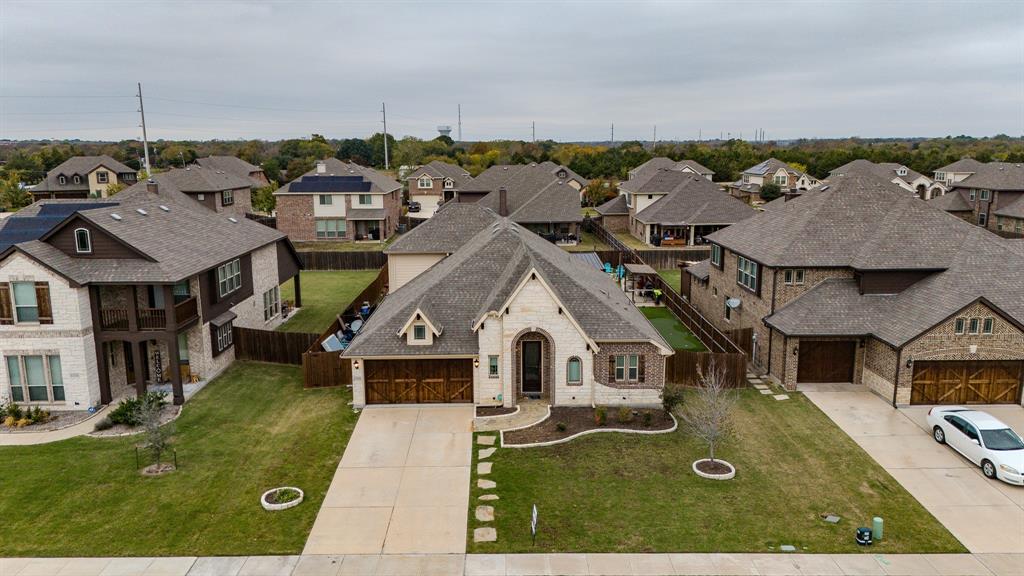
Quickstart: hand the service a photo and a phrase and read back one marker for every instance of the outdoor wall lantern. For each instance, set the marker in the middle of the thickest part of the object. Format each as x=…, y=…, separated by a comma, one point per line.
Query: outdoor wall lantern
x=910, y=362
x=355, y=364
x=476, y=362
x=796, y=351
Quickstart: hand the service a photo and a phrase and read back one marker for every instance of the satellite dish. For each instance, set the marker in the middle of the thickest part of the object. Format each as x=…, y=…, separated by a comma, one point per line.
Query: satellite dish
x=733, y=303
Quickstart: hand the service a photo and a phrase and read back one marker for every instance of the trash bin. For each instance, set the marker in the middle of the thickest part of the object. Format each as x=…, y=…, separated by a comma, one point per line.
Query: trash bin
x=876, y=528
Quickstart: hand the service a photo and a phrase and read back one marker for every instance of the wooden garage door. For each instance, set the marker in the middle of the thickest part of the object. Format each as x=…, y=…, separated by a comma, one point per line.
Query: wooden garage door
x=826, y=361
x=418, y=381
x=967, y=382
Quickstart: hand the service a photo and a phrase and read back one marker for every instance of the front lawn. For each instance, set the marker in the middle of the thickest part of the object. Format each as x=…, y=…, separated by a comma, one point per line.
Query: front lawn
x=672, y=329
x=252, y=429
x=628, y=493
x=325, y=294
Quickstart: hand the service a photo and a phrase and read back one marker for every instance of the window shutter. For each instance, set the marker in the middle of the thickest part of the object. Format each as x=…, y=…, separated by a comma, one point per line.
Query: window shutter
x=611, y=368
x=6, y=308
x=43, y=301
x=640, y=368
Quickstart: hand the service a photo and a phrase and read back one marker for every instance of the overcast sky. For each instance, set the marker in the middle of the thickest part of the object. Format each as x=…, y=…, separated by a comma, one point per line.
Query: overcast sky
x=275, y=70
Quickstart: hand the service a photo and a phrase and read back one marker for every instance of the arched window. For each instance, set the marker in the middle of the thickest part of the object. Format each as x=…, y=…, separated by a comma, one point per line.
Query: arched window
x=449, y=183
x=83, y=241
x=425, y=182
x=574, y=370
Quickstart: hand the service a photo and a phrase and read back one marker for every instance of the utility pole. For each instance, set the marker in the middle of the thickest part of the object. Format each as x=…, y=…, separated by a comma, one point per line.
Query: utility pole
x=145, y=139
x=182, y=155
x=533, y=130
x=654, y=139
x=384, y=114
x=613, y=133
x=460, y=122
x=700, y=133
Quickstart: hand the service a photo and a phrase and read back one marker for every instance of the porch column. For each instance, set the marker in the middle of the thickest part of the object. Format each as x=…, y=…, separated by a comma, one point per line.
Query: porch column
x=133, y=310
x=693, y=234
x=175, y=366
x=140, y=366
x=101, y=358
x=298, y=289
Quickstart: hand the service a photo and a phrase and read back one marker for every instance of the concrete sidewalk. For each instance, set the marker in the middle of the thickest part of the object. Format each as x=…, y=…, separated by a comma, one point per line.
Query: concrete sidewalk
x=527, y=565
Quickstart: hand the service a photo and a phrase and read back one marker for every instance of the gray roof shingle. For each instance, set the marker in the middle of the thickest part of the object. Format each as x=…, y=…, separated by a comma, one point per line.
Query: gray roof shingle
x=615, y=206
x=233, y=165
x=1002, y=176
x=451, y=226
x=690, y=199
x=438, y=169
x=534, y=194
x=379, y=183
x=81, y=166
x=641, y=174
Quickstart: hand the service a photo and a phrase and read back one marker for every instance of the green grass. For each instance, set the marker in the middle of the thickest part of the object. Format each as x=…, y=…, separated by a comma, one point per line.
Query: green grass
x=324, y=296
x=589, y=211
x=345, y=245
x=628, y=493
x=672, y=277
x=252, y=429
x=672, y=329
x=588, y=243
x=631, y=241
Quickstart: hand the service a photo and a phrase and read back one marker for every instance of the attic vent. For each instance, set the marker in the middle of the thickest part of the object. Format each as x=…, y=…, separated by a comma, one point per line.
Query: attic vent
x=823, y=188
x=165, y=208
x=116, y=217
x=141, y=211
x=233, y=219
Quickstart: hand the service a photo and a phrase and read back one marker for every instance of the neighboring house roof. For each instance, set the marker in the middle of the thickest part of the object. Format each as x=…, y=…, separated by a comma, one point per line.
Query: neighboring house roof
x=169, y=239
x=690, y=199
x=37, y=219
x=479, y=278
x=379, y=183
x=860, y=220
x=1013, y=209
x=1002, y=176
x=438, y=169
x=644, y=172
x=569, y=173
x=615, y=206
x=451, y=226
x=233, y=165
x=534, y=195
x=199, y=180
x=701, y=270
x=952, y=201
x=82, y=166
x=888, y=170
x=961, y=165
x=771, y=166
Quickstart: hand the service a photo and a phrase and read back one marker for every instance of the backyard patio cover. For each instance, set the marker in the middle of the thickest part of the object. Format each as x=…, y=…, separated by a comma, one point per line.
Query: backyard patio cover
x=640, y=269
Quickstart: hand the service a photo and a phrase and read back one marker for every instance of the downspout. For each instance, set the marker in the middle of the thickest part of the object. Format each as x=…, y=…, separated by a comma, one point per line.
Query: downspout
x=896, y=381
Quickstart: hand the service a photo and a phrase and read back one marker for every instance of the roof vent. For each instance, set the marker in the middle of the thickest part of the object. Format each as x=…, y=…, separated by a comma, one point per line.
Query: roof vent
x=233, y=219
x=141, y=211
x=165, y=208
x=188, y=168
x=116, y=216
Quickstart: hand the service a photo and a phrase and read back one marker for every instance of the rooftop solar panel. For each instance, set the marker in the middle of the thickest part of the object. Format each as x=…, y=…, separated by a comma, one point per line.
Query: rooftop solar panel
x=18, y=229
x=67, y=208
x=330, y=184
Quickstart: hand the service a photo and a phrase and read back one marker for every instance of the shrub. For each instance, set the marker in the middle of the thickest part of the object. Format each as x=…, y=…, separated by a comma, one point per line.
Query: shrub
x=39, y=415
x=129, y=411
x=625, y=414
x=9, y=421
x=671, y=397
x=104, y=424
x=560, y=426
x=12, y=410
x=600, y=415
x=648, y=419
x=23, y=422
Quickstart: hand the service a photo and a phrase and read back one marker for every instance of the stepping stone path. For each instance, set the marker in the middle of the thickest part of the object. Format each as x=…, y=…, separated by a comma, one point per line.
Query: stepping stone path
x=486, y=484
x=765, y=391
x=488, y=497
x=760, y=386
x=756, y=381
x=781, y=397
x=486, y=440
x=487, y=452
x=787, y=548
x=485, y=535
x=483, y=468
x=485, y=513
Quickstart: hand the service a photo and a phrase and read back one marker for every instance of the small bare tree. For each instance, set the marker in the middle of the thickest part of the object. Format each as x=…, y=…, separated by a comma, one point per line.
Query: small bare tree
x=158, y=438
x=708, y=414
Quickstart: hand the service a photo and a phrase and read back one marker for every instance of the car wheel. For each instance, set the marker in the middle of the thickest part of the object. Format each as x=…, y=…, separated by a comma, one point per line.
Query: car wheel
x=988, y=469
x=939, y=435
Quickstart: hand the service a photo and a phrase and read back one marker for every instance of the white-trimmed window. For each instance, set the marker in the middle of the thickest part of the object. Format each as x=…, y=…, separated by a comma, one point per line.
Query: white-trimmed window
x=449, y=183
x=425, y=182
x=419, y=332
x=62, y=180
x=987, y=325
x=492, y=366
x=634, y=367
x=334, y=228
x=365, y=199
x=227, y=198
x=746, y=178
x=746, y=273
x=940, y=176
x=974, y=326
x=574, y=370
x=26, y=304
x=716, y=255
x=102, y=177
x=985, y=195
x=620, y=368
x=83, y=241
x=982, y=219
x=793, y=276
x=627, y=368
x=901, y=171
x=326, y=199
x=77, y=179
x=35, y=378
x=973, y=195
x=271, y=303
x=960, y=326
x=781, y=179
x=224, y=336
x=229, y=277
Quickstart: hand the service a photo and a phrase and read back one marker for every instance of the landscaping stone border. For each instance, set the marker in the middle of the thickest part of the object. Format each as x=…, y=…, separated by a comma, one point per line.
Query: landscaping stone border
x=510, y=414
x=137, y=430
x=675, y=426
x=727, y=476
x=284, y=505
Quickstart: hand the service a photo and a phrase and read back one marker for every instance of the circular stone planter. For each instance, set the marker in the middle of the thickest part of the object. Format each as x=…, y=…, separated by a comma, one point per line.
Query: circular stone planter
x=267, y=505
x=715, y=476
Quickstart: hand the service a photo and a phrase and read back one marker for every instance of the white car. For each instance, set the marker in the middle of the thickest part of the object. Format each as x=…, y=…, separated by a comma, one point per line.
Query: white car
x=982, y=439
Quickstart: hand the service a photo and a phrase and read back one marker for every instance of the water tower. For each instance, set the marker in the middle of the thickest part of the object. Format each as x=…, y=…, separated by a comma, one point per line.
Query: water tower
x=445, y=130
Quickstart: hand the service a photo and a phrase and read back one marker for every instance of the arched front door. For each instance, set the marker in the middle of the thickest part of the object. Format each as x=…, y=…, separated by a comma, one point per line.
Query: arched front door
x=534, y=351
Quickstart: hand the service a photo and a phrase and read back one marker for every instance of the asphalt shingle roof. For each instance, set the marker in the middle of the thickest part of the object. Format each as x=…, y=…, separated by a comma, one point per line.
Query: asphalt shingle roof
x=614, y=206
x=479, y=277
x=451, y=226
x=438, y=169
x=232, y=165
x=1002, y=176
x=961, y=165
x=952, y=201
x=198, y=180
x=380, y=183
x=534, y=194
x=644, y=172
x=80, y=165
x=690, y=199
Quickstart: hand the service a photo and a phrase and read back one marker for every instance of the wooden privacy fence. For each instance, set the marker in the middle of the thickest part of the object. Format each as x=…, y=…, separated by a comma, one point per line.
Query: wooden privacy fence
x=269, y=221
x=271, y=346
x=685, y=367
x=370, y=260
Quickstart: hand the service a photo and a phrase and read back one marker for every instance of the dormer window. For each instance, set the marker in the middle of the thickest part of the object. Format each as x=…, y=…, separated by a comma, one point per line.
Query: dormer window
x=746, y=178
x=562, y=173
x=419, y=332
x=78, y=179
x=83, y=241
x=62, y=180
x=985, y=195
x=424, y=182
x=227, y=198
x=902, y=171
x=449, y=183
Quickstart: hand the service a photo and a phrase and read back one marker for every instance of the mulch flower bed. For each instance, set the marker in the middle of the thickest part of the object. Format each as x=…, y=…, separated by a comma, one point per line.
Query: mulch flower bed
x=482, y=411
x=58, y=419
x=716, y=467
x=566, y=421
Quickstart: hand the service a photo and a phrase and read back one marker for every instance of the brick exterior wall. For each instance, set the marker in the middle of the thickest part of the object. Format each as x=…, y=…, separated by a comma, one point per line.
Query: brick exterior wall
x=295, y=217
x=654, y=364
x=393, y=209
x=616, y=223
x=879, y=367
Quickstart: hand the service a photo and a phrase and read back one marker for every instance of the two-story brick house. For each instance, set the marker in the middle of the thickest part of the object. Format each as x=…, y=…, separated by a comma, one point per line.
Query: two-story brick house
x=83, y=177
x=214, y=190
x=860, y=282
x=771, y=171
x=944, y=177
x=339, y=201
x=991, y=197
x=542, y=197
x=505, y=315
x=434, y=183
x=237, y=167
x=102, y=299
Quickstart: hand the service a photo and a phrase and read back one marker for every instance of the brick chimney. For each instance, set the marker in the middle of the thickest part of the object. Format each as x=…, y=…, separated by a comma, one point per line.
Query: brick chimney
x=502, y=201
x=151, y=187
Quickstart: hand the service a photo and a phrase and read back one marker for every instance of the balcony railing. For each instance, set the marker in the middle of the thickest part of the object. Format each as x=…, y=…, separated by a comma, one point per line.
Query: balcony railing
x=116, y=319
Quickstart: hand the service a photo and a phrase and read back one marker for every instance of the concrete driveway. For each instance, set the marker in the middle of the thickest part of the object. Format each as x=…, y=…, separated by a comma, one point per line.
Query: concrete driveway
x=402, y=486
x=985, y=515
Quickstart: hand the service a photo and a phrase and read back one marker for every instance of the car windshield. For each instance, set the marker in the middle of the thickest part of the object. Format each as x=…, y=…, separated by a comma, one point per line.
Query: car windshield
x=1004, y=439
